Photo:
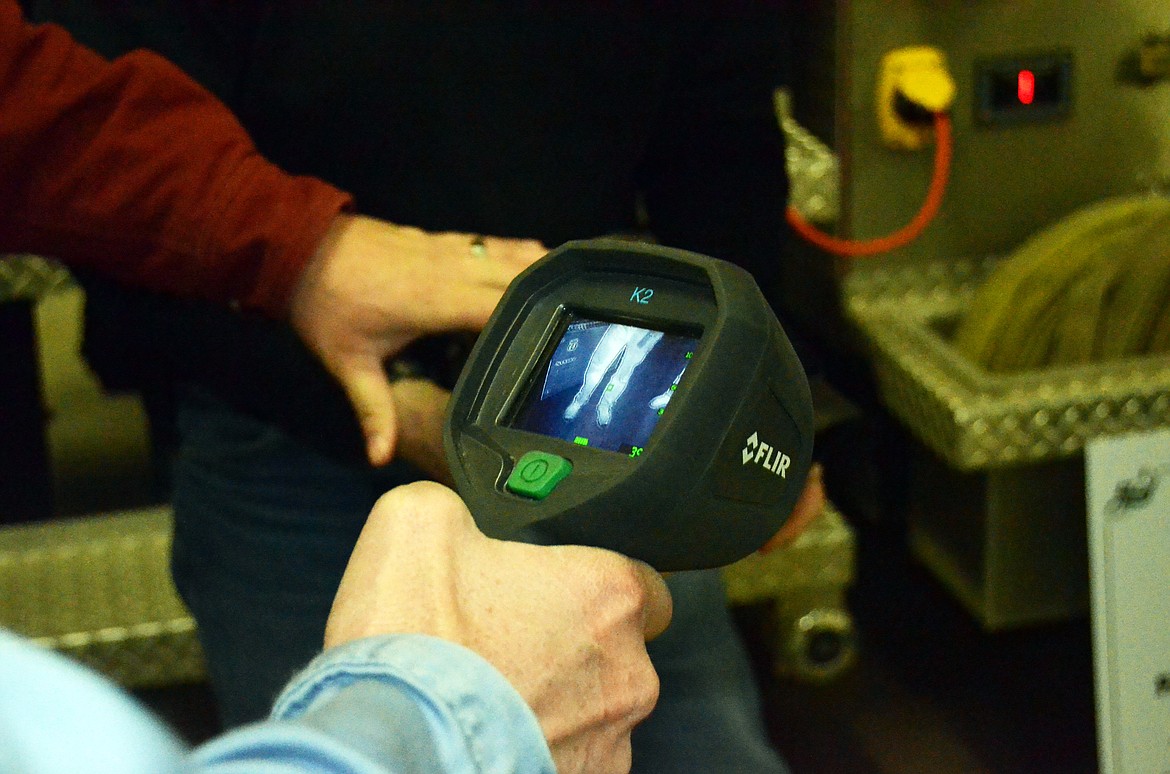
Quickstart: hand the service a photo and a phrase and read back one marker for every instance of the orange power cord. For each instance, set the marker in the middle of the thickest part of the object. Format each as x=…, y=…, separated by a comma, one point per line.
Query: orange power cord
x=860, y=248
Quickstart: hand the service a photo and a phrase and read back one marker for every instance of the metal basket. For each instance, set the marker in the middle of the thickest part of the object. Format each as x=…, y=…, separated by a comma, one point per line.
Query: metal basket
x=98, y=589
x=975, y=419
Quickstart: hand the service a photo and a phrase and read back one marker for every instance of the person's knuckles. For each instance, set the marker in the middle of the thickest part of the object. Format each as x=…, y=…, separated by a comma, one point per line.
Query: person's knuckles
x=621, y=756
x=423, y=509
x=647, y=688
x=606, y=585
x=658, y=605
x=626, y=591
x=632, y=687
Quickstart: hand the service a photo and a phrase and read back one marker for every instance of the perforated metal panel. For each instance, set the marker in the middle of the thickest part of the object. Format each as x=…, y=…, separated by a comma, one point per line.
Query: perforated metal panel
x=98, y=589
x=822, y=556
x=975, y=419
x=811, y=631
x=27, y=277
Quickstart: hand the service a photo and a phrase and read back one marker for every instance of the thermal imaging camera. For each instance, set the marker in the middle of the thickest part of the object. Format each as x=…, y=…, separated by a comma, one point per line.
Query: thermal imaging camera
x=637, y=398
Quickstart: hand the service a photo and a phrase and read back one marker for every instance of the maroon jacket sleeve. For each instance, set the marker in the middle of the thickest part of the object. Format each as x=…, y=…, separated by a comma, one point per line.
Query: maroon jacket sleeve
x=130, y=168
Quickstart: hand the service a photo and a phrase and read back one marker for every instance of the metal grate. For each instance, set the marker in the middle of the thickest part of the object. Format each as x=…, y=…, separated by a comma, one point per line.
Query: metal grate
x=26, y=277
x=975, y=419
x=98, y=589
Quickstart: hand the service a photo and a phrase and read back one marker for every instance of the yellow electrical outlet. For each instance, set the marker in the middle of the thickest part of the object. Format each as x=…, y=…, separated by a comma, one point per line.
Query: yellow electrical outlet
x=919, y=75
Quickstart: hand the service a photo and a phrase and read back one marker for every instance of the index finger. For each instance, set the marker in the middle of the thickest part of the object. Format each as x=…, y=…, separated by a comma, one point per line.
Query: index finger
x=808, y=507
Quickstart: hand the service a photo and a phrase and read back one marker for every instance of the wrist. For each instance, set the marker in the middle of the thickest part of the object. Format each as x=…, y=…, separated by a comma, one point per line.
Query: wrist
x=313, y=274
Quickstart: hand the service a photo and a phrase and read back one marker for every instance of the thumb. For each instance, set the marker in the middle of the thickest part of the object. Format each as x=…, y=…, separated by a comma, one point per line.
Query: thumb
x=368, y=389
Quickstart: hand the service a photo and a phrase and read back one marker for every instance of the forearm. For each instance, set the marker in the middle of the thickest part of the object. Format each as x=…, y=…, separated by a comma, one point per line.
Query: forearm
x=130, y=168
x=401, y=703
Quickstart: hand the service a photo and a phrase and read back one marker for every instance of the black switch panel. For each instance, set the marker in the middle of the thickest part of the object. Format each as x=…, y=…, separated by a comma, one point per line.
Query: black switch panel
x=1017, y=90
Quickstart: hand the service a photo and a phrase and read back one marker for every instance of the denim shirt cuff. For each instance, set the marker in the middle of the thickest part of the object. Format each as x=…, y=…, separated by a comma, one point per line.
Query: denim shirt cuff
x=444, y=701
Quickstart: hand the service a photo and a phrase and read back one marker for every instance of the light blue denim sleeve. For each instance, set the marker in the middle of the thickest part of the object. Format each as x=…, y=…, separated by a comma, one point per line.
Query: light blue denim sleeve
x=400, y=703
x=396, y=704
x=57, y=717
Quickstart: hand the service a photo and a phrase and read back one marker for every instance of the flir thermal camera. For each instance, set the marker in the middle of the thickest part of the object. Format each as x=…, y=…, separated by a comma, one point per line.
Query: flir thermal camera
x=636, y=398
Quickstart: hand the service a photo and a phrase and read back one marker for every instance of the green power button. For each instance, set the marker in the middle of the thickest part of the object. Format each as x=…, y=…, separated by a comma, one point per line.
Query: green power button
x=537, y=474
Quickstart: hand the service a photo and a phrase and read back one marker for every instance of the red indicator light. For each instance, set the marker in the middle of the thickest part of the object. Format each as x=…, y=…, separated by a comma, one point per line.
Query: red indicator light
x=1026, y=86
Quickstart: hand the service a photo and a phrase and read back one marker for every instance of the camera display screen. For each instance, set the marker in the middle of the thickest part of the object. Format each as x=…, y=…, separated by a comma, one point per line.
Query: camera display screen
x=605, y=385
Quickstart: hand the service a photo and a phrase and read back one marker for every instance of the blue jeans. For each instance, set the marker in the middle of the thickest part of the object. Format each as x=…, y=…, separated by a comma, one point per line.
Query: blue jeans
x=263, y=531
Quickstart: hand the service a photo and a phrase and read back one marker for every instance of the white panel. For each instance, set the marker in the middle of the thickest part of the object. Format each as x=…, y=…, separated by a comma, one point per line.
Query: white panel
x=1128, y=494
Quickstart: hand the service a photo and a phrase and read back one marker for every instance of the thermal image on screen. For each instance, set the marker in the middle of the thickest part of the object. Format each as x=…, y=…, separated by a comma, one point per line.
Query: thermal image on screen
x=606, y=385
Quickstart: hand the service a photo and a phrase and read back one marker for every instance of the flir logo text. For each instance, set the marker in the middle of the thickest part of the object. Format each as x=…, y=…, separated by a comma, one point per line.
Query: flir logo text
x=764, y=455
